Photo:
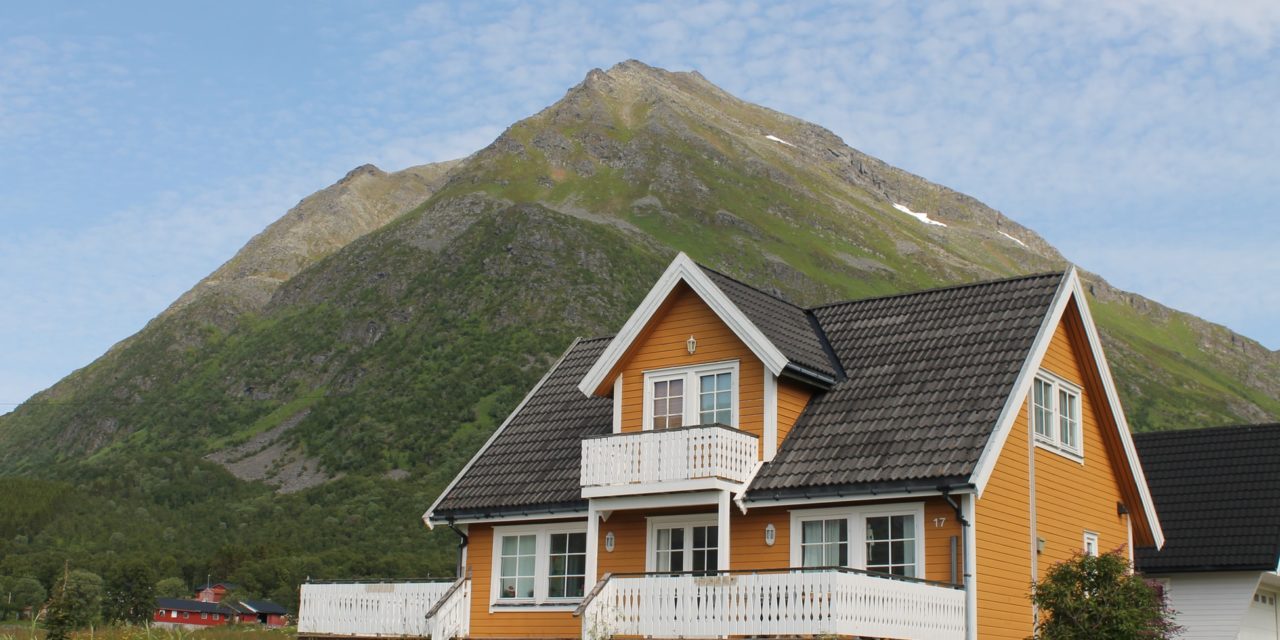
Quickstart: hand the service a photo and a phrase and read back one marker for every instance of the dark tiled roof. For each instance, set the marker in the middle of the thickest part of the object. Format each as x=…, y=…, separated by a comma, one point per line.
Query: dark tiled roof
x=927, y=376
x=1218, y=494
x=535, y=462
x=178, y=604
x=787, y=326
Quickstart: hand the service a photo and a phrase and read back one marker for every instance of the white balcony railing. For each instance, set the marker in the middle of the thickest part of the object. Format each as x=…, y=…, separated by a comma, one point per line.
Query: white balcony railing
x=713, y=452
x=368, y=609
x=824, y=602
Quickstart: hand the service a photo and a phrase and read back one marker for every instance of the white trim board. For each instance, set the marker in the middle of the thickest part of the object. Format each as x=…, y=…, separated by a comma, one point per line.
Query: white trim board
x=1070, y=288
x=682, y=269
x=426, y=517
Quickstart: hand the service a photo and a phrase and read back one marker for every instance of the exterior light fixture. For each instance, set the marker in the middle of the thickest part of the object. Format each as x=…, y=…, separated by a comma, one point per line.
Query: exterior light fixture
x=770, y=534
x=608, y=542
x=691, y=344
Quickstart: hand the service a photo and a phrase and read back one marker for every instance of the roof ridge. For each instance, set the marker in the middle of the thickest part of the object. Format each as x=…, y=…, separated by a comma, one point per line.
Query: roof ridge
x=1226, y=428
x=981, y=283
x=751, y=287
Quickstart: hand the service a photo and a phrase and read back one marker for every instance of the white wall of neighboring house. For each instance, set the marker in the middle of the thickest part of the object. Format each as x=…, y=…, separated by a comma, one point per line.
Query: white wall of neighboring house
x=1260, y=621
x=1211, y=606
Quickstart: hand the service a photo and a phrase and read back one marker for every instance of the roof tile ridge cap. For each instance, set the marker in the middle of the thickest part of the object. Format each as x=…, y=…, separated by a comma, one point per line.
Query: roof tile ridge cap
x=751, y=287
x=1060, y=275
x=834, y=360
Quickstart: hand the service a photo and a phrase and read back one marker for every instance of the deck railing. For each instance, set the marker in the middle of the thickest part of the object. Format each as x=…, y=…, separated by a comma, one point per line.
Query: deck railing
x=669, y=455
x=784, y=602
x=451, y=615
x=368, y=609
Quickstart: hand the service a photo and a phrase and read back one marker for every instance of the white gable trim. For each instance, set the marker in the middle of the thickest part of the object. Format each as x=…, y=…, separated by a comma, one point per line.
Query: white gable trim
x=683, y=269
x=426, y=517
x=1069, y=288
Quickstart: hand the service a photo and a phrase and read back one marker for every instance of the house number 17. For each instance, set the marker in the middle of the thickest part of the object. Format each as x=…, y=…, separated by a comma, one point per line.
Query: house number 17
x=938, y=522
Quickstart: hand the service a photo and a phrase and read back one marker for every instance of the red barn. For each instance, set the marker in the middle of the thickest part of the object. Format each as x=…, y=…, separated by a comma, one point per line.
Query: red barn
x=191, y=613
x=214, y=591
x=262, y=612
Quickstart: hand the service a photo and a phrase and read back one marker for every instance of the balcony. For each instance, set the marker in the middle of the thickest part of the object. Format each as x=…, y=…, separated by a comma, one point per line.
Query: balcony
x=821, y=602
x=682, y=459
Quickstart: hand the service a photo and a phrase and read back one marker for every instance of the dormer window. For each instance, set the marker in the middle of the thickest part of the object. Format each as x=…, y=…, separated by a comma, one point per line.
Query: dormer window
x=1055, y=414
x=687, y=396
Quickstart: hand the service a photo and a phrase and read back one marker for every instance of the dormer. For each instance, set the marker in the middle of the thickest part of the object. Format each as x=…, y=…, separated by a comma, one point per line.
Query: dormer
x=703, y=349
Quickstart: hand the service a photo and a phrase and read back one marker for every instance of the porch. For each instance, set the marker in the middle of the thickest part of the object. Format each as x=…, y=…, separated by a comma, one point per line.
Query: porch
x=786, y=602
x=427, y=609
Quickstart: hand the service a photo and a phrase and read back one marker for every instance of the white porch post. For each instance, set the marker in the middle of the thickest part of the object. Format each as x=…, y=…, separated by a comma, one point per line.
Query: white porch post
x=593, y=543
x=722, y=526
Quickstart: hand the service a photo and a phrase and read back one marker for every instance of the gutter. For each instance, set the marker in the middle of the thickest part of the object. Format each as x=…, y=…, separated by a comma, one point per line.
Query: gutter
x=463, y=539
x=969, y=544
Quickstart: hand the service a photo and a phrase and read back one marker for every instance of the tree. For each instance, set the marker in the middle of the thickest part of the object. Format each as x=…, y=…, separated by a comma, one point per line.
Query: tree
x=1098, y=598
x=22, y=593
x=131, y=592
x=172, y=588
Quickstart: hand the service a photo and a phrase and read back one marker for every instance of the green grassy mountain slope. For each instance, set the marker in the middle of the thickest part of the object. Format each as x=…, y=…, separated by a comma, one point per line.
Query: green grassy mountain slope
x=296, y=412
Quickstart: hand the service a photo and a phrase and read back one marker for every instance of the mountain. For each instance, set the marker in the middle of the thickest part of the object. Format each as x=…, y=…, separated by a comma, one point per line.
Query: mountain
x=294, y=412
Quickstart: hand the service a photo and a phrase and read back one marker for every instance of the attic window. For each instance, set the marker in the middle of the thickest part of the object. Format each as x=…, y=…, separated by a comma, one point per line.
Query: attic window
x=703, y=394
x=1055, y=414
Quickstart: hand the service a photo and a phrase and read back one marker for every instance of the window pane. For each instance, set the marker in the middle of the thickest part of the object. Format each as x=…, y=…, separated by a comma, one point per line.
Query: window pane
x=524, y=587
x=877, y=528
x=812, y=556
x=526, y=566
x=707, y=403
x=509, y=545
x=723, y=381
x=578, y=543
x=677, y=387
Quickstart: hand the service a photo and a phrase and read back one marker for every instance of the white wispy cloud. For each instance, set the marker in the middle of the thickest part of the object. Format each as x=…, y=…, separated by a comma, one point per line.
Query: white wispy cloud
x=1095, y=123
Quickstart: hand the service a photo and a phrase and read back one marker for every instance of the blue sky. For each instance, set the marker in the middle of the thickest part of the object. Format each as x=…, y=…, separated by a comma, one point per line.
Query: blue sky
x=141, y=144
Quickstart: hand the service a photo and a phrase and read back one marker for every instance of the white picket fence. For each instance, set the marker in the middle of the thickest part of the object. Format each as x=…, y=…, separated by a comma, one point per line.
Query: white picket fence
x=666, y=455
x=798, y=603
x=451, y=615
x=366, y=610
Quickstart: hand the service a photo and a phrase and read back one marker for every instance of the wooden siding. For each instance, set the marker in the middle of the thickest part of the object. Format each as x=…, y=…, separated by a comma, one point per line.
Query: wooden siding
x=662, y=345
x=1074, y=497
x=506, y=624
x=1211, y=606
x=793, y=397
x=1071, y=497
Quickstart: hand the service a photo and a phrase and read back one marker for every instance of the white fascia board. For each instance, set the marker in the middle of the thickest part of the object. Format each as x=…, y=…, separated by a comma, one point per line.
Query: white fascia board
x=683, y=269
x=1117, y=412
x=670, y=486
x=521, y=517
x=426, y=517
x=657, y=501
x=1069, y=288
x=801, y=502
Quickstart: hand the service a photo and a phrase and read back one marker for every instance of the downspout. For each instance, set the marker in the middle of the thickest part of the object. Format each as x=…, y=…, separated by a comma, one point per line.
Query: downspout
x=462, y=546
x=967, y=543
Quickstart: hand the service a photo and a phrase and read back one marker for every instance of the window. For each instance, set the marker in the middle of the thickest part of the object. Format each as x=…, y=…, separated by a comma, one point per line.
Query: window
x=568, y=572
x=825, y=543
x=1091, y=544
x=684, y=543
x=173, y=614
x=705, y=394
x=539, y=565
x=517, y=566
x=884, y=538
x=668, y=403
x=891, y=545
x=204, y=615
x=1055, y=414
x=217, y=616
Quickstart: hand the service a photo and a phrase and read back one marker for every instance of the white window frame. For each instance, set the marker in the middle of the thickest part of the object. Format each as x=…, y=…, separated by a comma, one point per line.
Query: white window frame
x=1053, y=442
x=690, y=375
x=1091, y=546
x=857, y=516
x=541, y=568
x=687, y=521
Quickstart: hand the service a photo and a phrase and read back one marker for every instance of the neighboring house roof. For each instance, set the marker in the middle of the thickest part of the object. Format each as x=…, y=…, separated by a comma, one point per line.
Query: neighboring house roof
x=229, y=586
x=927, y=375
x=532, y=462
x=258, y=606
x=178, y=604
x=1218, y=493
